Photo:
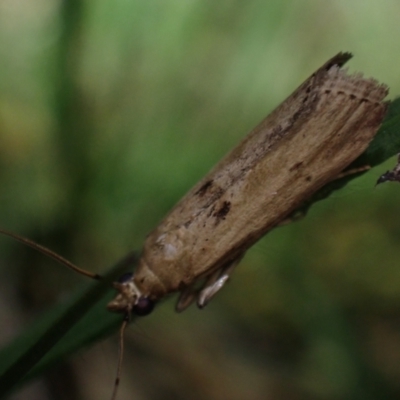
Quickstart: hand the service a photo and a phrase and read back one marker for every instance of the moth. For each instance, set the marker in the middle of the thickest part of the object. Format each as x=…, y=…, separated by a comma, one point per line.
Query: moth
x=302, y=145
x=305, y=143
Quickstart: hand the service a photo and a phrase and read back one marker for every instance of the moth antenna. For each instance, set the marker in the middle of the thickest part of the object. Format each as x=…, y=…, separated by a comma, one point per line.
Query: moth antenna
x=51, y=254
x=120, y=356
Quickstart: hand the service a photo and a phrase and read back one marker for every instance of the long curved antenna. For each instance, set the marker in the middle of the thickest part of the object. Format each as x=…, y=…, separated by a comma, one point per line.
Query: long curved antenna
x=120, y=356
x=51, y=254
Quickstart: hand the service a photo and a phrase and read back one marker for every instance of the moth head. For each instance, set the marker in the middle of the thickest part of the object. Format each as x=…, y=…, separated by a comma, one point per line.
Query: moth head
x=130, y=299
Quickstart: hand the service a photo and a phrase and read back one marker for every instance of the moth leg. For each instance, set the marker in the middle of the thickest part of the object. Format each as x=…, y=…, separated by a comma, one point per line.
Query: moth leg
x=186, y=297
x=393, y=175
x=352, y=171
x=216, y=281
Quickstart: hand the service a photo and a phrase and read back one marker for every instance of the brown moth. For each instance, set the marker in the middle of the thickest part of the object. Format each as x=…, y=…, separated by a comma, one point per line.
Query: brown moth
x=305, y=143
x=302, y=145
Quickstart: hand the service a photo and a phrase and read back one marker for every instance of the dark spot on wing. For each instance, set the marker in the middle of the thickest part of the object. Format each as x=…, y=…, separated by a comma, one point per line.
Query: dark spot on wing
x=223, y=211
x=296, y=166
x=202, y=191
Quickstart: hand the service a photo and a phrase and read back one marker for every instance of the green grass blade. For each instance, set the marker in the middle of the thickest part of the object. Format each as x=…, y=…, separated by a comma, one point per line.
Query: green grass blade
x=78, y=324
x=386, y=143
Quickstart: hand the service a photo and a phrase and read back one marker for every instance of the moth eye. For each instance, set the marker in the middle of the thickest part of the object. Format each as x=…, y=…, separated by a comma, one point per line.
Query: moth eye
x=143, y=307
x=125, y=277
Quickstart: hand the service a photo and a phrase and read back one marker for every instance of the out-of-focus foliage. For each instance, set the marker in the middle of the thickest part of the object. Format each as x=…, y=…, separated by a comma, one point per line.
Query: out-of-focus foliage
x=111, y=110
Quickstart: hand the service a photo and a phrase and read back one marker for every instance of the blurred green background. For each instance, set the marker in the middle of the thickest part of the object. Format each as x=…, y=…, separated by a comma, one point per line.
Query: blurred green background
x=111, y=110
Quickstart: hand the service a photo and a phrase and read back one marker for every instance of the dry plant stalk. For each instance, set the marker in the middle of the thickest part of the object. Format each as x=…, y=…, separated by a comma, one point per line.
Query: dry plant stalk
x=306, y=142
